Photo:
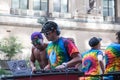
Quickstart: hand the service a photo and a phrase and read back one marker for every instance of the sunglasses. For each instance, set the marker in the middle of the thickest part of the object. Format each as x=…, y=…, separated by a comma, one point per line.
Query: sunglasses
x=47, y=33
x=36, y=42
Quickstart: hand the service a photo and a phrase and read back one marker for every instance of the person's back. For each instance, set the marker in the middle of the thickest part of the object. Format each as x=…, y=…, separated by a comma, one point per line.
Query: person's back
x=38, y=51
x=92, y=60
x=90, y=57
x=112, y=56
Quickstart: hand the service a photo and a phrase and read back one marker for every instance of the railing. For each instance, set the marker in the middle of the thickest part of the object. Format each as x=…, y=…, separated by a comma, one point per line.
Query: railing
x=115, y=75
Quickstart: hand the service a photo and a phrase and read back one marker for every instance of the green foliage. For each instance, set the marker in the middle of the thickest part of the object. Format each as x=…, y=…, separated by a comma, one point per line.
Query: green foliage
x=4, y=72
x=10, y=47
x=37, y=65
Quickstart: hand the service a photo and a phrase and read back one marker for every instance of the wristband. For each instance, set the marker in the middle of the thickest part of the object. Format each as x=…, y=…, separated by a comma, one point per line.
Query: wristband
x=64, y=64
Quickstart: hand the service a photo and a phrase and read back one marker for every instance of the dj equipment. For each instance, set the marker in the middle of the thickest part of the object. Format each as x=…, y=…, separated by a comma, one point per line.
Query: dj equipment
x=18, y=67
x=55, y=74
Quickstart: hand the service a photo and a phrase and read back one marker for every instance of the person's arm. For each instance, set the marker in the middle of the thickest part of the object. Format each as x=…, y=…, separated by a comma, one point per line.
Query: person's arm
x=100, y=58
x=32, y=60
x=75, y=60
x=102, y=66
x=32, y=66
x=47, y=67
x=73, y=52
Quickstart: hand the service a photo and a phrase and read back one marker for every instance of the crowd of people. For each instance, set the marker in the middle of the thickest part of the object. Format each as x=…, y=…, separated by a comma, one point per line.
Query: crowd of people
x=62, y=53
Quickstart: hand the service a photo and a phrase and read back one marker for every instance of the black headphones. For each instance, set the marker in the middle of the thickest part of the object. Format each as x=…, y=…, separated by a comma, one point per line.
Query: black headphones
x=58, y=31
x=51, y=26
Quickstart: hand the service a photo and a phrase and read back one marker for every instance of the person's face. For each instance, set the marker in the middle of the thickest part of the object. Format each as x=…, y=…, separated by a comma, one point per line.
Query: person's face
x=49, y=35
x=37, y=42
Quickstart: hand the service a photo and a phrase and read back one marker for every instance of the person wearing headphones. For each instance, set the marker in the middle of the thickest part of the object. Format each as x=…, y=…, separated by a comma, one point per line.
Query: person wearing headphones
x=62, y=52
x=38, y=51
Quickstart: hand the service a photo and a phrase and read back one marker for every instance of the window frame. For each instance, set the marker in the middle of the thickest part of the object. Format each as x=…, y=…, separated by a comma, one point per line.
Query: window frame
x=40, y=5
x=57, y=6
x=18, y=2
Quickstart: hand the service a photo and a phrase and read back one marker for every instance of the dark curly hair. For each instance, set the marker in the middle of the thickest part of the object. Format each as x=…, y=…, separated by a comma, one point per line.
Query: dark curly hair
x=118, y=35
x=50, y=26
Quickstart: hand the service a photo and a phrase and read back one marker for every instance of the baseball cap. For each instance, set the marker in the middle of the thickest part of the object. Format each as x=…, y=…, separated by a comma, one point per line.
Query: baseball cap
x=49, y=26
x=34, y=34
x=94, y=41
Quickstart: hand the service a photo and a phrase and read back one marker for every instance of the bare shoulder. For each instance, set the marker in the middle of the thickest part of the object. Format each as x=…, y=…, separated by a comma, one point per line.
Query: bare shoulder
x=45, y=45
x=35, y=50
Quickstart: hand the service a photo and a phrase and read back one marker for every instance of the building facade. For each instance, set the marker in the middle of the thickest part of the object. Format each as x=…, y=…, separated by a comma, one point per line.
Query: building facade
x=98, y=9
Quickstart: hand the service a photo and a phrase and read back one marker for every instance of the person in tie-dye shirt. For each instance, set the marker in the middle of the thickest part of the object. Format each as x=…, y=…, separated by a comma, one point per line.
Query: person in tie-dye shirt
x=92, y=60
x=62, y=52
x=112, y=56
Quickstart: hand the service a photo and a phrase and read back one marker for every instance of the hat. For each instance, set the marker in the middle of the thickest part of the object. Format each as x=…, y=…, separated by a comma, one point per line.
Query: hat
x=33, y=35
x=49, y=26
x=94, y=41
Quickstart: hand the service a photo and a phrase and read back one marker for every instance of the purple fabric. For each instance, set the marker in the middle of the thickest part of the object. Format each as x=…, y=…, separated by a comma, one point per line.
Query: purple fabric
x=36, y=34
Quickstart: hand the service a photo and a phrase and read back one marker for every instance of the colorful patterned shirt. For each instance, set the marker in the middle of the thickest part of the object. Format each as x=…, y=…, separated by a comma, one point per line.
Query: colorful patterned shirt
x=60, y=51
x=112, y=58
x=90, y=64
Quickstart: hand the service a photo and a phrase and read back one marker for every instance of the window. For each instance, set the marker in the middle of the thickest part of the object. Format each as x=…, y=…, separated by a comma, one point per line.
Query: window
x=36, y=5
x=61, y=5
x=108, y=8
x=20, y=4
x=40, y=5
x=44, y=5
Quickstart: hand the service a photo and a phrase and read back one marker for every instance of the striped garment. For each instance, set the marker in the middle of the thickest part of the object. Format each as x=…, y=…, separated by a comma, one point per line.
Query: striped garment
x=112, y=58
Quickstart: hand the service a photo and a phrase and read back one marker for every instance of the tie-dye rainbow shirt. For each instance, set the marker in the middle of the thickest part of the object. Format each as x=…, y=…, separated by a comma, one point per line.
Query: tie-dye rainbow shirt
x=60, y=51
x=112, y=58
x=90, y=64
